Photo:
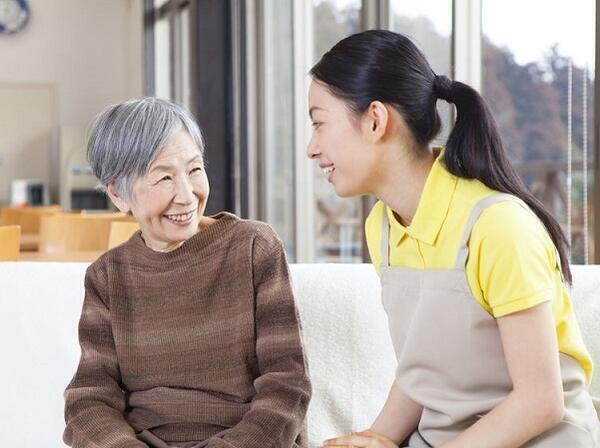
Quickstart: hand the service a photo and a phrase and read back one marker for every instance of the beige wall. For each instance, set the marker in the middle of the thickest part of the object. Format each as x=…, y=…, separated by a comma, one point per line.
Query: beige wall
x=27, y=118
x=89, y=53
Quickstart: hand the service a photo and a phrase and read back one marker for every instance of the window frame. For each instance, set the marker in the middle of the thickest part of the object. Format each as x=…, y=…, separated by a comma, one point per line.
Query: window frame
x=249, y=98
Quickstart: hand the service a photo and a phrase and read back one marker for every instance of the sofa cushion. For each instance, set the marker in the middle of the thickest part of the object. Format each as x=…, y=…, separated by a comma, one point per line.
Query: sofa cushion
x=350, y=356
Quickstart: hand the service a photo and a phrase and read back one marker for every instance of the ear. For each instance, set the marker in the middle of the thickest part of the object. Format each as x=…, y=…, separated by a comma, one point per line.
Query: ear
x=121, y=203
x=376, y=121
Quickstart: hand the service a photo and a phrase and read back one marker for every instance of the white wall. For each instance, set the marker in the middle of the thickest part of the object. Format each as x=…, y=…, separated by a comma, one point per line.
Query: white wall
x=89, y=51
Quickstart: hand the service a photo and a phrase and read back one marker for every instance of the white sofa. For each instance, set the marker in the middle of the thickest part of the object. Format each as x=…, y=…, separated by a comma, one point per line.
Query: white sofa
x=345, y=330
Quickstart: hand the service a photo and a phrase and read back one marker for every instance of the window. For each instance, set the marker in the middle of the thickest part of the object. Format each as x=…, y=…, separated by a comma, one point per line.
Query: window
x=171, y=43
x=277, y=156
x=429, y=24
x=338, y=222
x=162, y=58
x=538, y=77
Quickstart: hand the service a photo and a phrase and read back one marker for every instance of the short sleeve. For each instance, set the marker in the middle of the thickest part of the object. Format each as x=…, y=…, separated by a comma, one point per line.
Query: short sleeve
x=516, y=262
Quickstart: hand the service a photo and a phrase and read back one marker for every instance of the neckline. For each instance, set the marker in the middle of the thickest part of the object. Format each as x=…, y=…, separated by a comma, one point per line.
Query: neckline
x=200, y=241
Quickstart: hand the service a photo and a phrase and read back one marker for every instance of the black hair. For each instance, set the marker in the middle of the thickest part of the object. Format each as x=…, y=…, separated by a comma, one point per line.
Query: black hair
x=380, y=65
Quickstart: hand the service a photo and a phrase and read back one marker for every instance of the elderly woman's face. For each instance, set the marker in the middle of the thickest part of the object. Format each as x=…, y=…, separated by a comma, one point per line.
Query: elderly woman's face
x=170, y=200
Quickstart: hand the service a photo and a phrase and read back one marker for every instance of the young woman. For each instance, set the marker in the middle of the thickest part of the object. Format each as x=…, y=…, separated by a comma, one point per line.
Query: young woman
x=474, y=270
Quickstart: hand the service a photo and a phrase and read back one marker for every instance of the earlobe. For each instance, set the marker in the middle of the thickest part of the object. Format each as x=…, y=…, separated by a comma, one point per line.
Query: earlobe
x=116, y=199
x=379, y=114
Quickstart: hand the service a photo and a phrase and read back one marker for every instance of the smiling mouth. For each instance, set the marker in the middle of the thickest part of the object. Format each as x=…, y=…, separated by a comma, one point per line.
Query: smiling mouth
x=181, y=217
x=328, y=170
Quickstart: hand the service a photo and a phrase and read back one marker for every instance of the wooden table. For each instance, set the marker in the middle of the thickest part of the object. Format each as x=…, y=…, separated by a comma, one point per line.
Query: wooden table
x=78, y=256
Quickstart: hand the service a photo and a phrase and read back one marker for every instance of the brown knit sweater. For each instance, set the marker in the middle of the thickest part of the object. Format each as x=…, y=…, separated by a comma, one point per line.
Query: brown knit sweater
x=201, y=344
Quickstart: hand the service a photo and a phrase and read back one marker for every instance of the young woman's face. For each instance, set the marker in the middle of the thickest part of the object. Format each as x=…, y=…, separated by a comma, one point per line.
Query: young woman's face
x=170, y=199
x=338, y=143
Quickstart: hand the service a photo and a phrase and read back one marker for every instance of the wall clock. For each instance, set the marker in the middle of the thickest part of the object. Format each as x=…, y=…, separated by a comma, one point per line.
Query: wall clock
x=14, y=15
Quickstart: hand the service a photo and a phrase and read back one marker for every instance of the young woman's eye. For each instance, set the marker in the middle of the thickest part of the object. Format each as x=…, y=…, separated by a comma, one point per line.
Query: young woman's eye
x=316, y=124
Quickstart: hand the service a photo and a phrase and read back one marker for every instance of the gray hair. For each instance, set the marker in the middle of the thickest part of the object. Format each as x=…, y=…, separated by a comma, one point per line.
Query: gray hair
x=126, y=138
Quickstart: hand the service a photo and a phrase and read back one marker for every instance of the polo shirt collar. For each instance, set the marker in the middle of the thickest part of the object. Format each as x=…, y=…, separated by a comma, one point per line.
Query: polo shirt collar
x=433, y=206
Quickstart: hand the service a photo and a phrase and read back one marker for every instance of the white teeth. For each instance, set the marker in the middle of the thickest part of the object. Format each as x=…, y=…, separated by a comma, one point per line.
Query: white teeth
x=178, y=218
x=328, y=170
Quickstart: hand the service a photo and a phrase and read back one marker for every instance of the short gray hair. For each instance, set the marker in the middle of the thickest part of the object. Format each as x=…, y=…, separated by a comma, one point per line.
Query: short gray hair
x=126, y=138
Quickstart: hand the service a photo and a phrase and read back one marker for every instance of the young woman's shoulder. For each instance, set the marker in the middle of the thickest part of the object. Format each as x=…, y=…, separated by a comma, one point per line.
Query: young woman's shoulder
x=512, y=224
x=512, y=258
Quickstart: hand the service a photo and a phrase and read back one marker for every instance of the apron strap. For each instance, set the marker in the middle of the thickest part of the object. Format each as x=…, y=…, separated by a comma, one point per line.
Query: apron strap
x=385, y=239
x=463, y=246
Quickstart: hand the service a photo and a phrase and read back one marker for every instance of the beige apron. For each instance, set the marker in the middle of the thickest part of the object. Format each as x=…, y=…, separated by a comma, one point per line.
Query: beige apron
x=450, y=356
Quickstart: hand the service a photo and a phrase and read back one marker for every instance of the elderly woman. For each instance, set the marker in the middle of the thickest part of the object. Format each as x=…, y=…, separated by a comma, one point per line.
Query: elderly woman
x=189, y=332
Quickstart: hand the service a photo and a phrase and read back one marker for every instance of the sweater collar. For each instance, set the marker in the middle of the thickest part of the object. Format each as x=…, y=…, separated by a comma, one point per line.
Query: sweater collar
x=199, y=241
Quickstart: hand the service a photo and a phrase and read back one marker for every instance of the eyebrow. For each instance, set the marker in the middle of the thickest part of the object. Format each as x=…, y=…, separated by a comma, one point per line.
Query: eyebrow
x=312, y=109
x=166, y=166
x=193, y=159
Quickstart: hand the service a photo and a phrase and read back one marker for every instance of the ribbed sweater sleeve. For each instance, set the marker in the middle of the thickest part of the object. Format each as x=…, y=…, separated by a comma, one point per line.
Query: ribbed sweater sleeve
x=277, y=411
x=94, y=400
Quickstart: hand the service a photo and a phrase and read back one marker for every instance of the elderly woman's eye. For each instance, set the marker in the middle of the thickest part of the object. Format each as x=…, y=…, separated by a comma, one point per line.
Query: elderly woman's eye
x=196, y=170
x=164, y=178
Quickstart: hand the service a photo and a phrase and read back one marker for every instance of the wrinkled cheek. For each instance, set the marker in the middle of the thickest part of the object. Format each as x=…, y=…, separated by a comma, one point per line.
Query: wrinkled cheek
x=158, y=223
x=203, y=190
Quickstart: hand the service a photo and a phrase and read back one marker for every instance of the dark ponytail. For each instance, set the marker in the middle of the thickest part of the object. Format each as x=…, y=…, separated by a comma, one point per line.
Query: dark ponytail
x=386, y=66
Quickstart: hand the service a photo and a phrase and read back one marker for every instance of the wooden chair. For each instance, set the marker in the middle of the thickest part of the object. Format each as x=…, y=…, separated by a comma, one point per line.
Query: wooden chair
x=10, y=240
x=121, y=231
x=65, y=232
x=29, y=218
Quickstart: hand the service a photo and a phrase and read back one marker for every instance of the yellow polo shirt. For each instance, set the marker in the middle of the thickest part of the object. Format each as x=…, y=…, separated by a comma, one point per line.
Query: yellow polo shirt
x=511, y=265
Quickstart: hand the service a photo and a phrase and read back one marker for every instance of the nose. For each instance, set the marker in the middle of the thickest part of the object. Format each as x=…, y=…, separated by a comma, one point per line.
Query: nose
x=184, y=190
x=311, y=150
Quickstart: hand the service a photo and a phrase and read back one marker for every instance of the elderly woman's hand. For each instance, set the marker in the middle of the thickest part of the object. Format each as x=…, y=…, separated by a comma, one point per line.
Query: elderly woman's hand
x=363, y=439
